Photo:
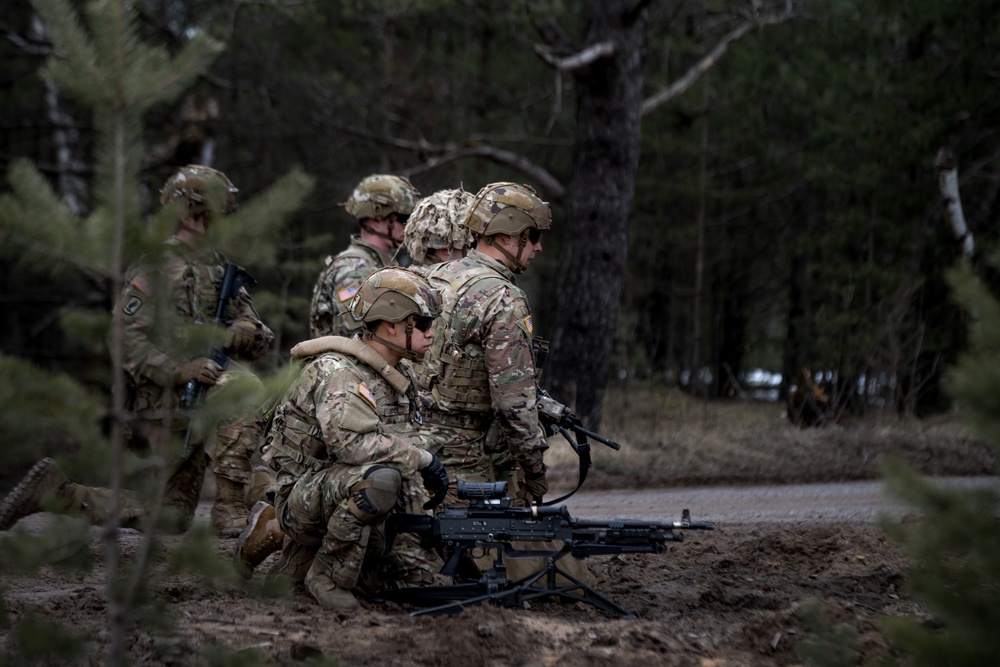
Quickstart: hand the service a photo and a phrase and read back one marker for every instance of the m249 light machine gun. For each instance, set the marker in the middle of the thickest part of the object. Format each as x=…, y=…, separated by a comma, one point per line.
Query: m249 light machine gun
x=491, y=523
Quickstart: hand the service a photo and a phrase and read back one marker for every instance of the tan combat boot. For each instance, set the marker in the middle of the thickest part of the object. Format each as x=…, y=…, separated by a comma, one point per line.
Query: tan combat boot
x=229, y=513
x=261, y=538
x=325, y=591
x=42, y=482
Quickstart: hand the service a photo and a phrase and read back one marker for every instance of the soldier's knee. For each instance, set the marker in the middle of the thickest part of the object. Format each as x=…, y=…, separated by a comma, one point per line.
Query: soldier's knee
x=375, y=494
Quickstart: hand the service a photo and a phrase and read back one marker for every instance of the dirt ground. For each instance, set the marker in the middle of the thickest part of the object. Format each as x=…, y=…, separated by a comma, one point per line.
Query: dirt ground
x=727, y=597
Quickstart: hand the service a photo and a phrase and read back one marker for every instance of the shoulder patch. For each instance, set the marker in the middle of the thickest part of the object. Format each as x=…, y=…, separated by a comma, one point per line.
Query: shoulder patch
x=367, y=394
x=526, y=323
x=141, y=283
x=347, y=293
x=133, y=305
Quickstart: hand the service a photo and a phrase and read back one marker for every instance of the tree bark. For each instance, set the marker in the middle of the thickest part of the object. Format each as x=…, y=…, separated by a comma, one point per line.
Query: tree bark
x=599, y=201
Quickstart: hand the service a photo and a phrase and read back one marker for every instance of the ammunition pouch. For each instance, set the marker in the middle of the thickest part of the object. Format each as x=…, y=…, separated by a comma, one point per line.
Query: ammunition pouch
x=294, y=445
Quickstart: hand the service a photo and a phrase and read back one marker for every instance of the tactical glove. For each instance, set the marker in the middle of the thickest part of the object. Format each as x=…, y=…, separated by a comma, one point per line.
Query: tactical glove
x=436, y=482
x=202, y=370
x=241, y=337
x=535, y=484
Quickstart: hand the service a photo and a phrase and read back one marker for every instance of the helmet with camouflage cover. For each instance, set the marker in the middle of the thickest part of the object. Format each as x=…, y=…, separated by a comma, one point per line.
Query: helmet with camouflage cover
x=202, y=189
x=378, y=195
x=507, y=208
x=511, y=209
x=395, y=294
x=436, y=224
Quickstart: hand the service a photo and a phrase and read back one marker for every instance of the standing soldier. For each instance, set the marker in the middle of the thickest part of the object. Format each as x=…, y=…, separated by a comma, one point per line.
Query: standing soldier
x=478, y=381
x=435, y=232
x=381, y=203
x=345, y=449
x=163, y=295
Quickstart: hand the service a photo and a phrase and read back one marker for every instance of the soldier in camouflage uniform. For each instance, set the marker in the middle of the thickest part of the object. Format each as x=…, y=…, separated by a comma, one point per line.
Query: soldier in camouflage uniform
x=478, y=381
x=381, y=203
x=161, y=295
x=435, y=232
x=345, y=448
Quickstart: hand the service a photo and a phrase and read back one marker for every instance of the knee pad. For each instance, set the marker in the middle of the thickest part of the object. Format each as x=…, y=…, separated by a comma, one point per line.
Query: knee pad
x=376, y=494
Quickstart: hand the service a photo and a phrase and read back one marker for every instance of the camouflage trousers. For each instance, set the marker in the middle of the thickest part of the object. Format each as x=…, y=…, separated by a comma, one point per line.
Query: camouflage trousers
x=316, y=511
x=463, y=454
x=235, y=442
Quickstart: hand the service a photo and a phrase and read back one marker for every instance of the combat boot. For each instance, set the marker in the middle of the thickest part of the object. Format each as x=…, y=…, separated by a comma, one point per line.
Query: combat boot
x=294, y=561
x=261, y=538
x=229, y=513
x=43, y=481
x=326, y=592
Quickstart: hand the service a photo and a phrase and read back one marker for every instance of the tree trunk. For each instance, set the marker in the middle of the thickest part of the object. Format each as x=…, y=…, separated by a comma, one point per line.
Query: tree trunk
x=599, y=201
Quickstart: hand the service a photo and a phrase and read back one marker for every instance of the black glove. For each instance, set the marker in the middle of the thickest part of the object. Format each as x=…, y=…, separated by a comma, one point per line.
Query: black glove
x=535, y=484
x=435, y=481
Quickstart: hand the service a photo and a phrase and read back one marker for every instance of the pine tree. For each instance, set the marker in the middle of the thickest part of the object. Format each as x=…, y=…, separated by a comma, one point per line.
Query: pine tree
x=101, y=63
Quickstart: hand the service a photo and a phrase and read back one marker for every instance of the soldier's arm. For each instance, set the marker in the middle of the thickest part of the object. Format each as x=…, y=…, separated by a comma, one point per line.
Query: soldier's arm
x=144, y=360
x=506, y=341
x=351, y=427
x=263, y=336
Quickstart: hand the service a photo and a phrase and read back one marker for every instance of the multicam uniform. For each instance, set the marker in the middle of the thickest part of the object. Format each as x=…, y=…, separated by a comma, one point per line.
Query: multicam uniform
x=337, y=285
x=183, y=288
x=478, y=385
x=343, y=421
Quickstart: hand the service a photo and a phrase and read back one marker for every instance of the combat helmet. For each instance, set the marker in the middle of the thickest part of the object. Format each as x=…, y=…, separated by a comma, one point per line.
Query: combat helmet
x=395, y=294
x=436, y=224
x=202, y=189
x=511, y=209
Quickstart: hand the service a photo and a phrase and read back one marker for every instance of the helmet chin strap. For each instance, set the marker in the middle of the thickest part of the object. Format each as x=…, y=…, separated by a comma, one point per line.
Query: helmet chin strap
x=387, y=235
x=407, y=352
x=516, y=261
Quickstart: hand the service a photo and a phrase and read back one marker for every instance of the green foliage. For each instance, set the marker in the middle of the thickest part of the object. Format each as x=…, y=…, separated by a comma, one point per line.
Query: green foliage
x=827, y=644
x=44, y=412
x=38, y=641
x=65, y=544
x=955, y=550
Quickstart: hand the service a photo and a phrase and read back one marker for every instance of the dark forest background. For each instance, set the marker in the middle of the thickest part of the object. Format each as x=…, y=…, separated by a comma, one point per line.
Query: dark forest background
x=736, y=185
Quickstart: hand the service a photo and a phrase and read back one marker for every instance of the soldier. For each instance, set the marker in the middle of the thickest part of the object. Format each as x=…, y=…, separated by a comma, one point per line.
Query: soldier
x=345, y=449
x=478, y=381
x=435, y=232
x=161, y=296
x=381, y=203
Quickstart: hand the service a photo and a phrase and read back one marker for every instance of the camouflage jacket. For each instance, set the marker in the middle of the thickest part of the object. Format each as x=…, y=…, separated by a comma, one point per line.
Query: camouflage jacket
x=337, y=285
x=161, y=297
x=480, y=365
x=342, y=410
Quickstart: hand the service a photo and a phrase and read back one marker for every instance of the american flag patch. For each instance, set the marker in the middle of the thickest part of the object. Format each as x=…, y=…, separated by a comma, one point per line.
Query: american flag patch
x=347, y=293
x=367, y=394
x=141, y=283
x=527, y=324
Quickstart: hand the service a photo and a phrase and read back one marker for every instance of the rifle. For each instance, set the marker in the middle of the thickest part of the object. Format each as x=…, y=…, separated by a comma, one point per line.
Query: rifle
x=492, y=523
x=233, y=279
x=557, y=418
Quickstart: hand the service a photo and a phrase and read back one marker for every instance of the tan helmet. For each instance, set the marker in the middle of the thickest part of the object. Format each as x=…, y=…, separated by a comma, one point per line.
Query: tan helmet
x=392, y=294
x=507, y=208
x=436, y=223
x=202, y=188
x=378, y=195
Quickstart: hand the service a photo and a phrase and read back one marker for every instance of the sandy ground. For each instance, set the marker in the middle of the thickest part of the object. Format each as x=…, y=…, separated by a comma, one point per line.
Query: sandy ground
x=727, y=597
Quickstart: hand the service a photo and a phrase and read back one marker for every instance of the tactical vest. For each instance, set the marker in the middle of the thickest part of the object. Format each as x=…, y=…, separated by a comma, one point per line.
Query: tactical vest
x=294, y=442
x=455, y=372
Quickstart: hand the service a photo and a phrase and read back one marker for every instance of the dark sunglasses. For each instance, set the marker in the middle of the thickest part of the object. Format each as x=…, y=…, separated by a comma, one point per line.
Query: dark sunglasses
x=422, y=322
x=534, y=235
x=402, y=219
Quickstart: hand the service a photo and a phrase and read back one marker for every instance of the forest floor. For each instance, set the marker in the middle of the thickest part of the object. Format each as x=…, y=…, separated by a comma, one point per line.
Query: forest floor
x=788, y=541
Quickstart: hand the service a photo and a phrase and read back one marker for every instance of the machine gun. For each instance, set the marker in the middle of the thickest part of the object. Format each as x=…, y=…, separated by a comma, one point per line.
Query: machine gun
x=491, y=523
x=233, y=279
